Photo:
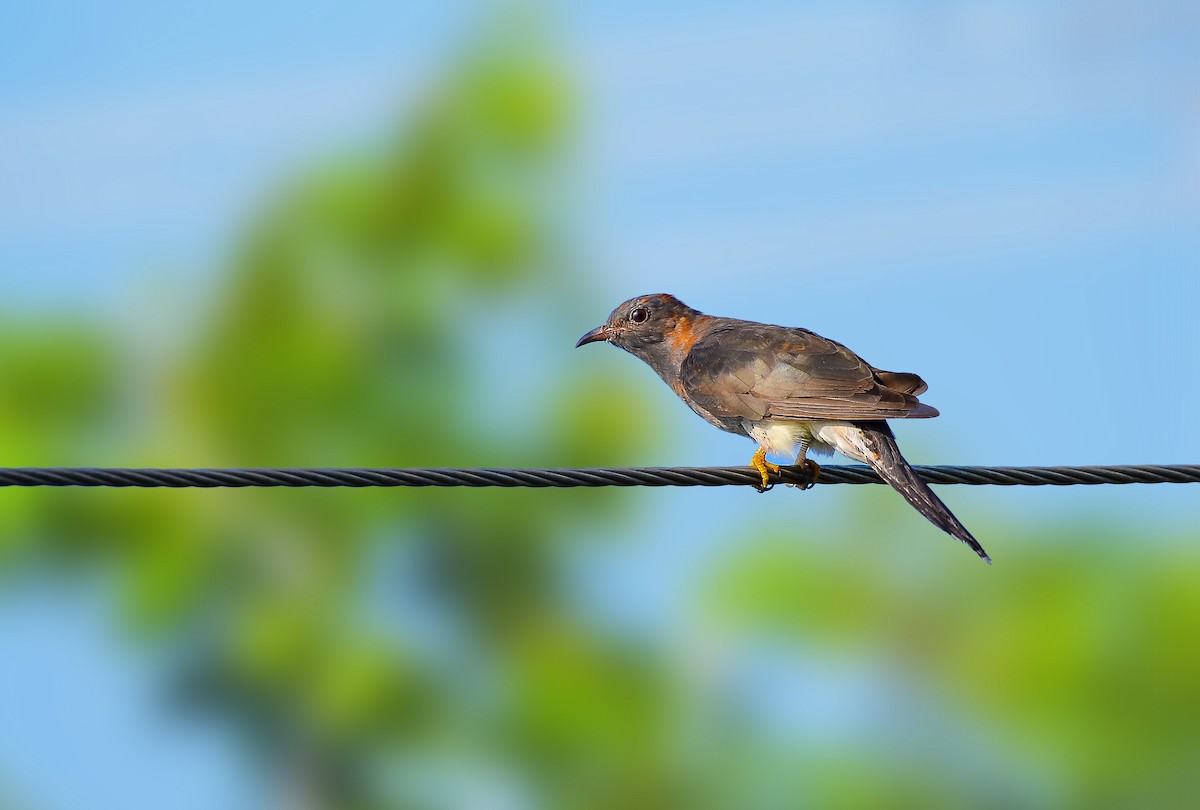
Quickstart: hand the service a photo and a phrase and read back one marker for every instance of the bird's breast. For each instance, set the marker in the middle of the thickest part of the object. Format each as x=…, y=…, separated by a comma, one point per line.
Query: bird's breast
x=732, y=425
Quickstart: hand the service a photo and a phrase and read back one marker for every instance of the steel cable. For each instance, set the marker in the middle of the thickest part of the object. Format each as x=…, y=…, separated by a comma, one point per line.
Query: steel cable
x=574, y=477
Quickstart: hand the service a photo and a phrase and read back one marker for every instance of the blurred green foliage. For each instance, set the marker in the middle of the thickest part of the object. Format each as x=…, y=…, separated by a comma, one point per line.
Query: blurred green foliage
x=1064, y=678
x=395, y=648
x=351, y=330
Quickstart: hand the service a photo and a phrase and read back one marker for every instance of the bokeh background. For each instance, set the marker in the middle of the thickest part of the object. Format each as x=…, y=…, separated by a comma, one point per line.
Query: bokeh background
x=369, y=234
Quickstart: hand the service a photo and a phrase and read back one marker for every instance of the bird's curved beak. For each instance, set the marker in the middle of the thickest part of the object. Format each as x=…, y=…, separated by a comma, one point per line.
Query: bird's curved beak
x=599, y=333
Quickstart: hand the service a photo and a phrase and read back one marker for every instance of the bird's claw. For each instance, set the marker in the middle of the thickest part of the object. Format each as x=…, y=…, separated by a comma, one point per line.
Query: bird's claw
x=765, y=468
x=811, y=471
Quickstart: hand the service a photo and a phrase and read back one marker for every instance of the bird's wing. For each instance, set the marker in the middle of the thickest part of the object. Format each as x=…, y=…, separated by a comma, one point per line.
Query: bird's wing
x=902, y=381
x=756, y=371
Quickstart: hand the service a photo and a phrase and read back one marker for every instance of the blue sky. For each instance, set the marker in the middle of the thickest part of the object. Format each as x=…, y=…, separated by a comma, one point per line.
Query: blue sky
x=1003, y=197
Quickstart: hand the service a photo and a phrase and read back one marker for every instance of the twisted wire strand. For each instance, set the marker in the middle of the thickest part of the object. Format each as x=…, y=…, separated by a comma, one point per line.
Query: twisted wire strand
x=575, y=477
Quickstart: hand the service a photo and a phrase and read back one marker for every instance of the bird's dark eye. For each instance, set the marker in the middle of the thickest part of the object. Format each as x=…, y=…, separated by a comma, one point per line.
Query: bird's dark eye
x=638, y=315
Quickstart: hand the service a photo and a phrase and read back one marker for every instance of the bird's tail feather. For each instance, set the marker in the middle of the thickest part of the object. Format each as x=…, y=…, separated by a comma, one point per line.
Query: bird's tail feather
x=894, y=469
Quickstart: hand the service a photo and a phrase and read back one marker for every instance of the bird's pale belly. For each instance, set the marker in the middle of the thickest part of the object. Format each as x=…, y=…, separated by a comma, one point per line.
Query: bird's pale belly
x=784, y=438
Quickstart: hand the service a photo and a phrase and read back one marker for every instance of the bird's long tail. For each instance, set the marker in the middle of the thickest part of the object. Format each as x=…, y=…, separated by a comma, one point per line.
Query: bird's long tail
x=878, y=449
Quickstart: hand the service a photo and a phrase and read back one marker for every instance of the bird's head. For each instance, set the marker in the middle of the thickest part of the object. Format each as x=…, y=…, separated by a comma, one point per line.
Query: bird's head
x=656, y=328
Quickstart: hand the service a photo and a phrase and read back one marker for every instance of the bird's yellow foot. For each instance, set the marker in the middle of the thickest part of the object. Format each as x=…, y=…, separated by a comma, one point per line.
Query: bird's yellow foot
x=765, y=468
x=811, y=471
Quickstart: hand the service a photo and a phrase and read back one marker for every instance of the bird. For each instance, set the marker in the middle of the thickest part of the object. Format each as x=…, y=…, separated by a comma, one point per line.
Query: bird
x=787, y=388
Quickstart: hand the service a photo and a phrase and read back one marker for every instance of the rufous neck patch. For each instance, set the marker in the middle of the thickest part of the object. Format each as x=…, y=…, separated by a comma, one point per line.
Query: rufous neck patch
x=685, y=334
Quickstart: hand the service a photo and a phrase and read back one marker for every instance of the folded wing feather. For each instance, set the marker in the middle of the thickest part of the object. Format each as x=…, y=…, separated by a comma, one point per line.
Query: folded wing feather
x=751, y=371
